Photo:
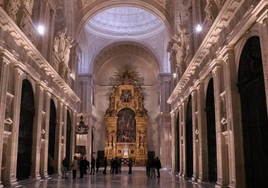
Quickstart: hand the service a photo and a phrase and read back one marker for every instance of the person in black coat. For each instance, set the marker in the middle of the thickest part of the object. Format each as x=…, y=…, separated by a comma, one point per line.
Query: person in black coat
x=130, y=167
x=105, y=165
x=93, y=162
x=158, y=166
x=98, y=163
x=82, y=167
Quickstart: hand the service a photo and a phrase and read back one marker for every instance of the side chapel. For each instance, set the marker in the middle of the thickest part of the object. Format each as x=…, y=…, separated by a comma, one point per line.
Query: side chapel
x=126, y=118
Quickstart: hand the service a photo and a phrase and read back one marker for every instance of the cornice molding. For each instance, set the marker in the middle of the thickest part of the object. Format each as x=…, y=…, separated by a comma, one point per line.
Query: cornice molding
x=227, y=18
x=8, y=25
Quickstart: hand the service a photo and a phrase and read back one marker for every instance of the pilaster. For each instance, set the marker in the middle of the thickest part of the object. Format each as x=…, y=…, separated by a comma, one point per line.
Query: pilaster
x=234, y=133
x=11, y=163
x=195, y=135
x=58, y=159
x=73, y=134
x=263, y=30
x=222, y=179
x=183, y=139
x=37, y=132
x=4, y=72
x=173, y=141
x=44, y=152
x=202, y=133
x=64, y=133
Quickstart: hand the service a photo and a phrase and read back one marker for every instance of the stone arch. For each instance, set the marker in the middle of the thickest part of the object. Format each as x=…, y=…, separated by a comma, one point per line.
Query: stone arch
x=97, y=6
x=254, y=114
x=136, y=49
x=145, y=47
x=119, y=49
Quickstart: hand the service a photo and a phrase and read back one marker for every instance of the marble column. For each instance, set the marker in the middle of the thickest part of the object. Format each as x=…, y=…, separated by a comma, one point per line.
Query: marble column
x=234, y=122
x=202, y=134
x=183, y=139
x=222, y=179
x=4, y=72
x=58, y=159
x=73, y=133
x=44, y=158
x=180, y=158
x=195, y=139
x=173, y=141
x=11, y=162
x=37, y=131
x=263, y=30
x=64, y=131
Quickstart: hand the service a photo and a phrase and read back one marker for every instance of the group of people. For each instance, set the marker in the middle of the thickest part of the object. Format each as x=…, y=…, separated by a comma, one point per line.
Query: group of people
x=115, y=166
x=82, y=164
x=151, y=165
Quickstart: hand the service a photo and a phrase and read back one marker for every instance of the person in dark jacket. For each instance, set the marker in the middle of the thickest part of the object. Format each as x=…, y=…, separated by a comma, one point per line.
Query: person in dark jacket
x=158, y=166
x=93, y=162
x=86, y=165
x=82, y=167
x=98, y=163
x=130, y=167
x=148, y=168
x=105, y=165
x=65, y=165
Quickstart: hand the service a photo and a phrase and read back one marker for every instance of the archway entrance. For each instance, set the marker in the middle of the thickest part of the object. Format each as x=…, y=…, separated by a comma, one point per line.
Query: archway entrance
x=27, y=113
x=52, y=134
x=178, y=141
x=211, y=133
x=189, y=140
x=254, y=114
x=68, y=137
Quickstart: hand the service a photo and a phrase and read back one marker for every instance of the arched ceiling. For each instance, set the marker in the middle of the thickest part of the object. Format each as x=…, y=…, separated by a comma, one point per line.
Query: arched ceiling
x=123, y=24
x=128, y=53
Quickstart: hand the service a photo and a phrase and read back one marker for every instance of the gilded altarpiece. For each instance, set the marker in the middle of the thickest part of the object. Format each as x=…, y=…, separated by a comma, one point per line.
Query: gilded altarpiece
x=126, y=123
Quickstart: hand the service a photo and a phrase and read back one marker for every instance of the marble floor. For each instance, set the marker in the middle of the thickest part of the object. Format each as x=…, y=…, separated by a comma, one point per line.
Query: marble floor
x=137, y=179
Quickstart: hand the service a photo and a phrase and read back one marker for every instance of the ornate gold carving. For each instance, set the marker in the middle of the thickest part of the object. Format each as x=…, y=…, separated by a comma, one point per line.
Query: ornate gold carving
x=126, y=118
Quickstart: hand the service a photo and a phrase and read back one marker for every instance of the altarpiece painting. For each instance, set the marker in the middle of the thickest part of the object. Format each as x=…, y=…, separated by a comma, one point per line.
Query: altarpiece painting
x=126, y=118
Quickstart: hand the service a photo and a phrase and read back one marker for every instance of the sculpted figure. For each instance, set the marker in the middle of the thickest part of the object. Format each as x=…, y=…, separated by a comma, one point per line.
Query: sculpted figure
x=180, y=47
x=62, y=46
x=12, y=8
x=29, y=5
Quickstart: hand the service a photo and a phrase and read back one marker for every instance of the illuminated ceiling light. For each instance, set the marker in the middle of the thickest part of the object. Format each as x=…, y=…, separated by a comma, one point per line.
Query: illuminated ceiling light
x=41, y=29
x=198, y=28
x=174, y=75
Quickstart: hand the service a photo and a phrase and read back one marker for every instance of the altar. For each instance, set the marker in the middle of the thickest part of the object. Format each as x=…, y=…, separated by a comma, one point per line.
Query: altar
x=126, y=122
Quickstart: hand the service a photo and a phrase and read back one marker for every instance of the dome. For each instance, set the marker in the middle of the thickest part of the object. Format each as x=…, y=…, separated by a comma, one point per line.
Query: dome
x=124, y=21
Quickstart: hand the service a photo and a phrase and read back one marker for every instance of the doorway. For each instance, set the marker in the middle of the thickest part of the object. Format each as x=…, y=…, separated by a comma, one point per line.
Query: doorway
x=52, y=134
x=27, y=112
x=211, y=133
x=254, y=114
x=189, y=140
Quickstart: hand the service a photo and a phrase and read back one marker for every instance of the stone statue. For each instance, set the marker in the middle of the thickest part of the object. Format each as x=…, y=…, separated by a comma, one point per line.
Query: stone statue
x=62, y=46
x=12, y=8
x=28, y=4
x=180, y=47
x=220, y=3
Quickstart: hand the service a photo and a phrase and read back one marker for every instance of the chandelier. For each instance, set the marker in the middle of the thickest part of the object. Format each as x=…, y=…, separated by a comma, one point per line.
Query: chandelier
x=82, y=128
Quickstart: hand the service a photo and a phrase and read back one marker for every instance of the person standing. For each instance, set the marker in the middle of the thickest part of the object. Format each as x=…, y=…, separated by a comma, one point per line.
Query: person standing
x=74, y=166
x=82, y=167
x=148, y=168
x=105, y=165
x=130, y=166
x=86, y=165
x=158, y=166
x=97, y=164
x=64, y=167
x=152, y=168
x=92, y=171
